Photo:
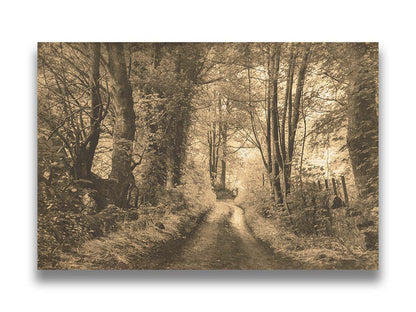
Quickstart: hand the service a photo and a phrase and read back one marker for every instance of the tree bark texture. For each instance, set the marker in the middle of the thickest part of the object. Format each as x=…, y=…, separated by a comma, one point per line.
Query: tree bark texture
x=362, y=138
x=124, y=122
x=294, y=115
x=85, y=154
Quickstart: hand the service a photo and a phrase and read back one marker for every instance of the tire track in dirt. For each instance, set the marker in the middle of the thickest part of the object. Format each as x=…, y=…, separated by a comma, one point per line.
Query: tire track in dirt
x=224, y=241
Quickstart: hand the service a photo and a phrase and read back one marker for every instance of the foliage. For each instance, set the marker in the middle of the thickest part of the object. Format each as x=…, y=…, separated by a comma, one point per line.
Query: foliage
x=134, y=241
x=223, y=193
x=206, y=121
x=71, y=100
x=321, y=241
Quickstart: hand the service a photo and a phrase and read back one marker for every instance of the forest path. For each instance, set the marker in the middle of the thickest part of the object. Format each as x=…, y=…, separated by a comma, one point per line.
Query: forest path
x=224, y=241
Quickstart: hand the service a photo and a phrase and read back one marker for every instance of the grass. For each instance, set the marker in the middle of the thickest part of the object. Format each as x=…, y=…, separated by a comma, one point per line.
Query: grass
x=135, y=244
x=317, y=252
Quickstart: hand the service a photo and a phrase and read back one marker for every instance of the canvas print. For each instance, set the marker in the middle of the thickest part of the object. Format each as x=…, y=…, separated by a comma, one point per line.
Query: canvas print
x=207, y=156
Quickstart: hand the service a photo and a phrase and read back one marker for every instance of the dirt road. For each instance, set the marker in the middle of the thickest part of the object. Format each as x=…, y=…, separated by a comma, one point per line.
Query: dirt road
x=223, y=241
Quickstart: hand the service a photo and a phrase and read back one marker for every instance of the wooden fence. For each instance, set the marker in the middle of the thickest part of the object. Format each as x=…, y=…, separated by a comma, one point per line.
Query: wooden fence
x=337, y=186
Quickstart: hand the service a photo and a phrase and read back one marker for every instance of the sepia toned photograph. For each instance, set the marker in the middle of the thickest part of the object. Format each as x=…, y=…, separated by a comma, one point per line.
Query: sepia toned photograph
x=207, y=156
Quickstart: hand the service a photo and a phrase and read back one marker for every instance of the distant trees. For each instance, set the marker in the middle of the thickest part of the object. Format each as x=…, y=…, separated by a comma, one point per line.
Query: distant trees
x=221, y=127
x=224, y=102
x=224, y=135
x=214, y=138
x=266, y=82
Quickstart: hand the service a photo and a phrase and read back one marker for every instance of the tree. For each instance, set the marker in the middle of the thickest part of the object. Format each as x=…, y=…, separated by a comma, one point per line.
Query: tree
x=277, y=159
x=224, y=136
x=219, y=123
x=166, y=76
x=362, y=115
x=284, y=120
x=214, y=138
x=124, y=122
x=70, y=97
x=155, y=102
x=83, y=162
x=190, y=68
x=293, y=116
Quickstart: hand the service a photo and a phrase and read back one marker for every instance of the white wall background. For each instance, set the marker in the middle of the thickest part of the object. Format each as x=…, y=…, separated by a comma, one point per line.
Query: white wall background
x=23, y=23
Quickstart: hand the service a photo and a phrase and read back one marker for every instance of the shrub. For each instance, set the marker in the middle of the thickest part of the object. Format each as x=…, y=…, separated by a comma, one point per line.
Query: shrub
x=326, y=238
x=223, y=193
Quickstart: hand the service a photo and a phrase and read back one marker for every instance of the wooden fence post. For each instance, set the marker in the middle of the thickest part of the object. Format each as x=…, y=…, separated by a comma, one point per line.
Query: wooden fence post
x=344, y=188
x=334, y=186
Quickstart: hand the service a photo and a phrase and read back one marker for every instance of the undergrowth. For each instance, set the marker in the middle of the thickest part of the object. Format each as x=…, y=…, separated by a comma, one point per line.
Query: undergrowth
x=75, y=234
x=310, y=236
x=129, y=247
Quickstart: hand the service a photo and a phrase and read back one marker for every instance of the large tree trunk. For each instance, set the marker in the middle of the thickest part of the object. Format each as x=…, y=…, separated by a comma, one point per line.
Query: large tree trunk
x=156, y=171
x=362, y=113
x=83, y=163
x=181, y=115
x=96, y=105
x=179, y=143
x=188, y=69
x=124, y=122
